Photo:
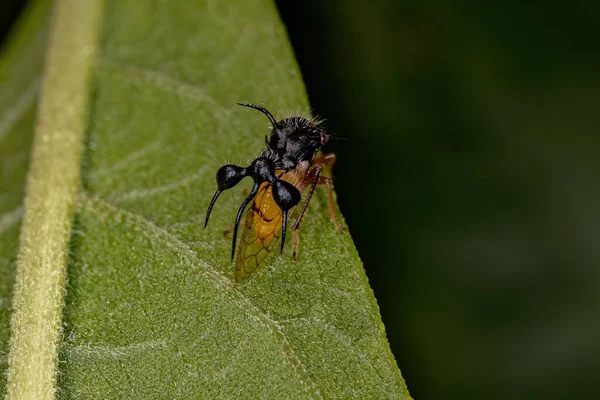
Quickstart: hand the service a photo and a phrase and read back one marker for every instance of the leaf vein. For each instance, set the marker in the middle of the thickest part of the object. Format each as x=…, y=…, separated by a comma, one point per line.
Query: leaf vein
x=97, y=205
x=234, y=358
x=19, y=108
x=124, y=162
x=341, y=336
x=164, y=81
x=114, y=352
x=142, y=193
x=7, y=220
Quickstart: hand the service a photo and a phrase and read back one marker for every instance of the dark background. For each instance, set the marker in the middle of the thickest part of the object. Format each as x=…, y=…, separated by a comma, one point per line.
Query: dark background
x=469, y=177
x=9, y=10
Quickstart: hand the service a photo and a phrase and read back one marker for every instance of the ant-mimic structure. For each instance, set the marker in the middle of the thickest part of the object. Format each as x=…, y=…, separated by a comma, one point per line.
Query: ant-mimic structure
x=281, y=173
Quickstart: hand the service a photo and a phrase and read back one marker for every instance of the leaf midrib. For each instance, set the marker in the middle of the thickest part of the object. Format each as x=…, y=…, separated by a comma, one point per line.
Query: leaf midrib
x=51, y=190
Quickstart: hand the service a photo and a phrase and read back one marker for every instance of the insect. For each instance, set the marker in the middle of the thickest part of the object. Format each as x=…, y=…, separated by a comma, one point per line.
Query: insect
x=281, y=173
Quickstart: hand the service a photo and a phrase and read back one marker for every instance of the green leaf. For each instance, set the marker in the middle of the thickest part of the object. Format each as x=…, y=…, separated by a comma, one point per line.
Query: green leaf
x=151, y=309
x=20, y=70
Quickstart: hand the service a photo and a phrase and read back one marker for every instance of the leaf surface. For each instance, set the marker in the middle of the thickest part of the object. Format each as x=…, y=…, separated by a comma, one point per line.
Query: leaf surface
x=21, y=62
x=151, y=310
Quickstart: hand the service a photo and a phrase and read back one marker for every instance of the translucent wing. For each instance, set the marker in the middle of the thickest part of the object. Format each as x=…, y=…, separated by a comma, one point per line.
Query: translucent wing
x=262, y=226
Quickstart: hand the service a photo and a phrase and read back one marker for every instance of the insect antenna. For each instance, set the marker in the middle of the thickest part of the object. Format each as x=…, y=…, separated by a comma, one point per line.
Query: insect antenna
x=262, y=110
x=239, y=215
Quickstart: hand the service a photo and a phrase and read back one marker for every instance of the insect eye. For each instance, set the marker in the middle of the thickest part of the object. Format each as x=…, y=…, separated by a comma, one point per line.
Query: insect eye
x=285, y=194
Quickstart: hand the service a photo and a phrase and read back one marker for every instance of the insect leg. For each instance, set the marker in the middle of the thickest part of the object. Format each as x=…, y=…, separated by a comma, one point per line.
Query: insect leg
x=284, y=215
x=332, y=213
x=327, y=160
x=314, y=175
x=295, y=247
x=227, y=231
x=239, y=215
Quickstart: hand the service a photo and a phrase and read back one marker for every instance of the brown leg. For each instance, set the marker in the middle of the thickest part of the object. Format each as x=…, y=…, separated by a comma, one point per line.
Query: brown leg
x=313, y=175
x=327, y=160
x=295, y=240
x=332, y=213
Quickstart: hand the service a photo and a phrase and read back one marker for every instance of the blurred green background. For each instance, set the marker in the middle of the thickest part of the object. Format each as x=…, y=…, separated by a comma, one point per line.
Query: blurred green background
x=468, y=173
